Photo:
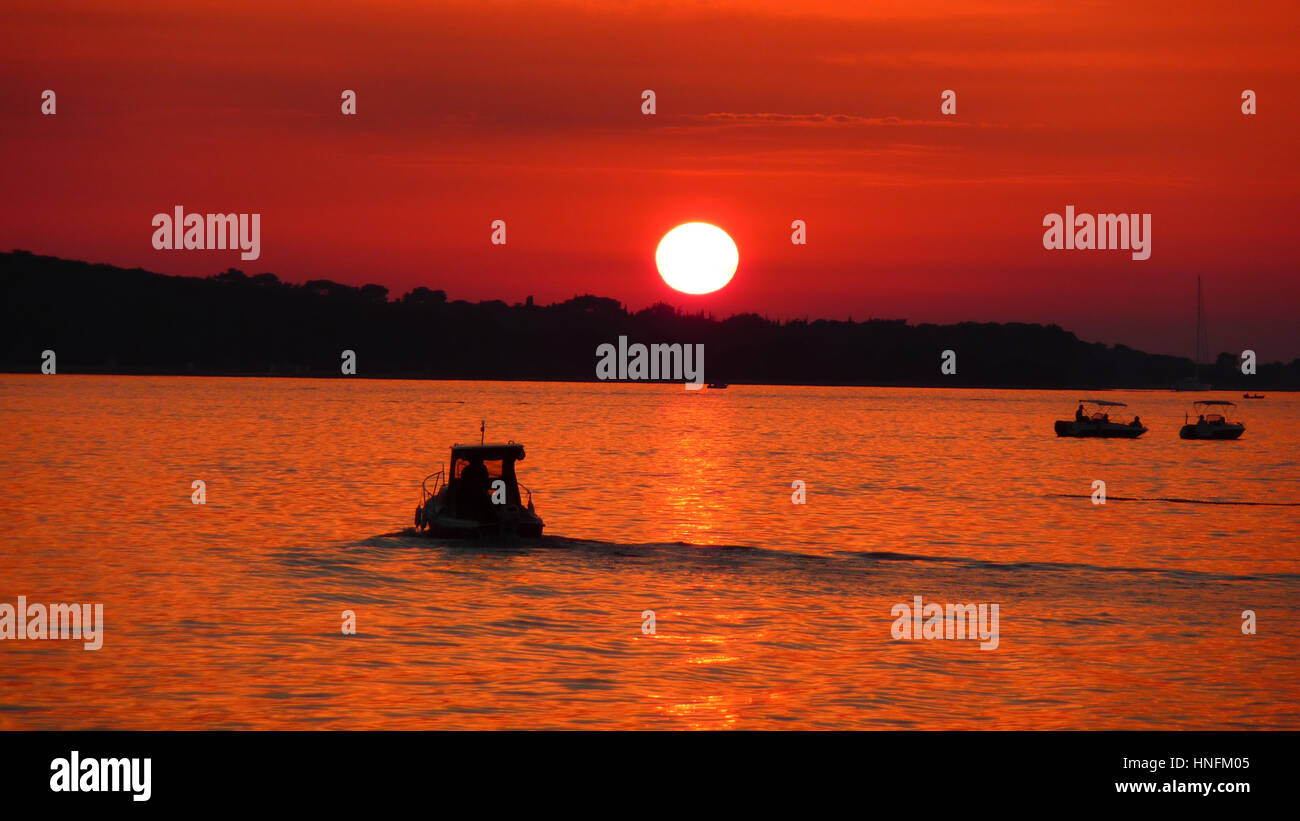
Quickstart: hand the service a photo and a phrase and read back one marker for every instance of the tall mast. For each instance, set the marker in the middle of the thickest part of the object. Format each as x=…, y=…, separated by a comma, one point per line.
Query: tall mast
x=1199, y=309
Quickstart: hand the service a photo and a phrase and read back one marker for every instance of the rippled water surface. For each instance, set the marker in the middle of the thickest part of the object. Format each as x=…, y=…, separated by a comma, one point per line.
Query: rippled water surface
x=768, y=614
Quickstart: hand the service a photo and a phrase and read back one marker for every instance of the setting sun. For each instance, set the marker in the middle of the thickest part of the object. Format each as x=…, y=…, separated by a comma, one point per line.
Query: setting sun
x=697, y=258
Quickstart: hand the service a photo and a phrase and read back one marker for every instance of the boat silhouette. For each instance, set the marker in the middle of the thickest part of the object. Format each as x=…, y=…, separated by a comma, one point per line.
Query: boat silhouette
x=1211, y=422
x=1092, y=421
x=478, y=495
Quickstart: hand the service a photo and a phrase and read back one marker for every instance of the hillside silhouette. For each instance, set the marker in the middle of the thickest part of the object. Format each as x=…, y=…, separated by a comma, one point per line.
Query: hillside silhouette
x=104, y=319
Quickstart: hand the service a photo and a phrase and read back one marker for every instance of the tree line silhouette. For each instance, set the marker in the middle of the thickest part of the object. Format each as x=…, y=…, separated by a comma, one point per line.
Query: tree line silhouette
x=104, y=319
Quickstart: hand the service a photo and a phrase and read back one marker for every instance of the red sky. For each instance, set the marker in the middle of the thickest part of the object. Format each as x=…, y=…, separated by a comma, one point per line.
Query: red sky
x=767, y=112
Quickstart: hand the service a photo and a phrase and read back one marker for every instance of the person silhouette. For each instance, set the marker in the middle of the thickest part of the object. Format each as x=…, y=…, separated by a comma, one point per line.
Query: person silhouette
x=474, y=485
x=1079, y=415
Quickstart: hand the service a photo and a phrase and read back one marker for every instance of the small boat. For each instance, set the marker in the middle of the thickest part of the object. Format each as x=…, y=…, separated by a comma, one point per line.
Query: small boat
x=1092, y=420
x=478, y=495
x=1211, y=421
x=717, y=386
x=1252, y=396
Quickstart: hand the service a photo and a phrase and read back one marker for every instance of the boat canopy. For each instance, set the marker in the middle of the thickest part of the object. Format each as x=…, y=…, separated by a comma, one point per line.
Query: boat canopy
x=495, y=461
x=1103, y=403
x=1216, y=402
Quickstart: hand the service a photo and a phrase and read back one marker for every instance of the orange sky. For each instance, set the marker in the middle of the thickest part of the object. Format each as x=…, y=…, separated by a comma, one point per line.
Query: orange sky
x=767, y=112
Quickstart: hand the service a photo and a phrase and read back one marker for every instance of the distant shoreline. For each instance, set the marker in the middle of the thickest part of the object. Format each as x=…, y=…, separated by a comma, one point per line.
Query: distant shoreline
x=101, y=319
x=730, y=385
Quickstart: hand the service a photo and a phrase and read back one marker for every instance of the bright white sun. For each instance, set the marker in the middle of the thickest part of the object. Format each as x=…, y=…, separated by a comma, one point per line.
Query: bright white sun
x=697, y=258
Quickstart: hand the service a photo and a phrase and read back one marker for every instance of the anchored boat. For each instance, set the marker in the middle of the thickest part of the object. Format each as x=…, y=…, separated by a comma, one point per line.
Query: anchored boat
x=478, y=495
x=1211, y=421
x=1092, y=419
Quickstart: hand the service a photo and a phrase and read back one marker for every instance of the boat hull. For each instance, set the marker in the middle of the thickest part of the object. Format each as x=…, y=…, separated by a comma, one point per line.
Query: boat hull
x=510, y=522
x=1097, y=430
x=449, y=528
x=1202, y=430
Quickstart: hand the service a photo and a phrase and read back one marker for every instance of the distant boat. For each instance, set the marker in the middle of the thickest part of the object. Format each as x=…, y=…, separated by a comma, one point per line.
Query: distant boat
x=718, y=385
x=1092, y=420
x=1211, y=421
x=1194, y=383
x=1252, y=396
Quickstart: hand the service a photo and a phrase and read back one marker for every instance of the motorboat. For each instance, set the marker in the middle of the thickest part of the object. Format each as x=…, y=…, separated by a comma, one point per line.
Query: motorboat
x=1092, y=420
x=1211, y=421
x=717, y=386
x=1252, y=396
x=478, y=495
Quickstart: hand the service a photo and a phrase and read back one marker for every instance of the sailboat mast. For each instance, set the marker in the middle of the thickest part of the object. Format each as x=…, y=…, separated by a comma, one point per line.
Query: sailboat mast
x=1199, y=347
x=1199, y=308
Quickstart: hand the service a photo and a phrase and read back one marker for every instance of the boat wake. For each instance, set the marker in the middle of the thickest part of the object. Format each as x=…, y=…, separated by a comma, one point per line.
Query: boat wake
x=738, y=556
x=987, y=564
x=1175, y=500
x=410, y=537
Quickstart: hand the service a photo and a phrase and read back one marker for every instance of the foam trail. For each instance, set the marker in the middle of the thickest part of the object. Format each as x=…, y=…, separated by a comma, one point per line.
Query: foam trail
x=1175, y=499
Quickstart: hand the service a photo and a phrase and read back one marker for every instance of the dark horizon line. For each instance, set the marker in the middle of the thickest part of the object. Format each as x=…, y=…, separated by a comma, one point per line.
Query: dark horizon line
x=6, y=371
x=389, y=299
x=103, y=319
